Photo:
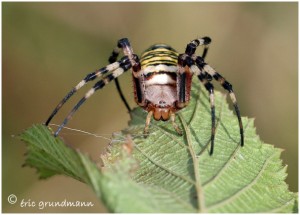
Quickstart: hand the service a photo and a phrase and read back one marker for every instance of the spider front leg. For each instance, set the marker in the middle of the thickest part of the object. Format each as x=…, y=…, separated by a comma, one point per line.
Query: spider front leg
x=184, y=84
x=184, y=80
x=123, y=67
x=122, y=44
x=187, y=68
x=90, y=77
x=227, y=86
x=192, y=46
x=137, y=76
x=210, y=88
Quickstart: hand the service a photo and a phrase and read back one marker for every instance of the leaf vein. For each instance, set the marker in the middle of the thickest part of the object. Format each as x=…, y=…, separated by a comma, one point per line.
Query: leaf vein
x=277, y=210
x=164, y=168
x=240, y=191
x=200, y=194
x=226, y=164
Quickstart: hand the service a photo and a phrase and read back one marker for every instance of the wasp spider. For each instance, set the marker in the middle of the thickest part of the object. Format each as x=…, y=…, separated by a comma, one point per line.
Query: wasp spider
x=162, y=81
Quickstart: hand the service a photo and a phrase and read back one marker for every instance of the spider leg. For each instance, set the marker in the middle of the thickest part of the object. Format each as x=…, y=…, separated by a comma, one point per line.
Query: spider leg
x=122, y=95
x=113, y=58
x=89, y=77
x=123, y=67
x=186, y=63
x=175, y=126
x=124, y=45
x=205, y=50
x=227, y=86
x=148, y=120
x=210, y=88
x=138, y=78
x=192, y=46
x=184, y=80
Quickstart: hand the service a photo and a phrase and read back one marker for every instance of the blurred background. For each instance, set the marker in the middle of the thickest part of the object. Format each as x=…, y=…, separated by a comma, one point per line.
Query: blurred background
x=47, y=48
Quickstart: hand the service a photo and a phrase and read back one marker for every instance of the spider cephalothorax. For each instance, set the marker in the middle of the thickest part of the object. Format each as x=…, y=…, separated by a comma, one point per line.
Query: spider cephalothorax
x=162, y=81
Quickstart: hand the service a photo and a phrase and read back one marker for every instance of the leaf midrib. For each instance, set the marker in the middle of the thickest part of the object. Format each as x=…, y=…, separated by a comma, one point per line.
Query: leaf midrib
x=200, y=194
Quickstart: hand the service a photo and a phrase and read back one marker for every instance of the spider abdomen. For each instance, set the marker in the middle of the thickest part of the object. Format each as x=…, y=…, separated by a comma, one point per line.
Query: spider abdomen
x=159, y=73
x=159, y=55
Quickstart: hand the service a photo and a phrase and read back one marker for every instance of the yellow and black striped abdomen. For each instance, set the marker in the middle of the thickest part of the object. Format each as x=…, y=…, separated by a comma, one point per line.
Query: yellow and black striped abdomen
x=159, y=54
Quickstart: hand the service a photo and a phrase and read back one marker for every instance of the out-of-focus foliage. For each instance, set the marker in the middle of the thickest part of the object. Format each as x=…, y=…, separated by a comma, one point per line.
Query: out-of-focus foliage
x=49, y=47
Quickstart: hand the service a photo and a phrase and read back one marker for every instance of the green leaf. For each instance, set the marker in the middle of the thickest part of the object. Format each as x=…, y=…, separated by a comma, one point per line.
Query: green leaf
x=51, y=156
x=170, y=173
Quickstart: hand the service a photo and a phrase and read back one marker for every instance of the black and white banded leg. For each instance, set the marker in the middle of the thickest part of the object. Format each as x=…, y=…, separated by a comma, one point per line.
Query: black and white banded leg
x=203, y=77
x=192, y=46
x=184, y=74
x=124, y=66
x=227, y=86
x=90, y=77
x=113, y=58
x=186, y=67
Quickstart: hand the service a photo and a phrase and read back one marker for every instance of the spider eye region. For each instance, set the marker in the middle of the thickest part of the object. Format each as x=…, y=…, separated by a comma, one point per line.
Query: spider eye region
x=162, y=103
